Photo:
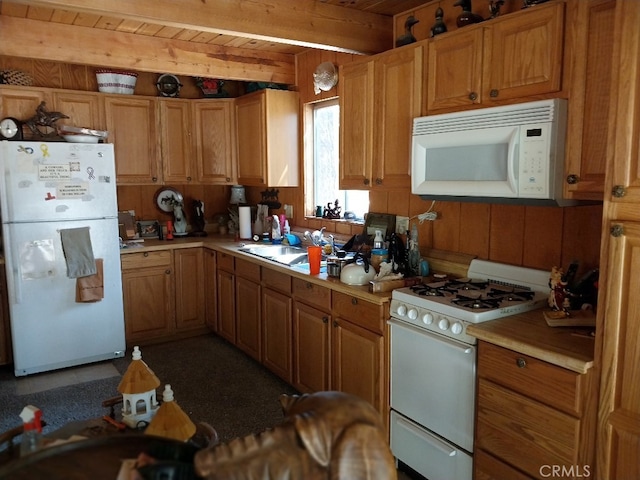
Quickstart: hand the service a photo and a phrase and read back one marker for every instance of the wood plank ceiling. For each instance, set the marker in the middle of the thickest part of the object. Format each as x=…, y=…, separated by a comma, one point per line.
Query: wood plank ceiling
x=253, y=40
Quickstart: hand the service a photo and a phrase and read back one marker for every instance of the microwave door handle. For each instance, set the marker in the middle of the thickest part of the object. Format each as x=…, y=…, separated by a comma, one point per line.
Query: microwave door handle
x=511, y=160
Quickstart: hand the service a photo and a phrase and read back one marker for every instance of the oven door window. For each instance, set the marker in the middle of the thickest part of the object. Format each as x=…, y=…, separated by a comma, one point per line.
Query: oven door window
x=433, y=382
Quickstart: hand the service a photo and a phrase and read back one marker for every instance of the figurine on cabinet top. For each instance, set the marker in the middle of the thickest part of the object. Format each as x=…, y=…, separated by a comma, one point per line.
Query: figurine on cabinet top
x=467, y=17
x=407, y=37
x=439, y=27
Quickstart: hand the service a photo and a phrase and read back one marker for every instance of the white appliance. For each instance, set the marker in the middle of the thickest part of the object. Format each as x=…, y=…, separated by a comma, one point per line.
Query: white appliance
x=505, y=154
x=46, y=188
x=433, y=361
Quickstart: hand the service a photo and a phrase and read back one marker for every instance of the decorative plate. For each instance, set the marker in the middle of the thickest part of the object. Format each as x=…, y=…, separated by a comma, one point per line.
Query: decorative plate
x=166, y=196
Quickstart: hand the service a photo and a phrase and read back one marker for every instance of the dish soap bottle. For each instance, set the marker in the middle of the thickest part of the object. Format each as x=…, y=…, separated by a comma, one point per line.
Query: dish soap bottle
x=32, y=434
x=378, y=241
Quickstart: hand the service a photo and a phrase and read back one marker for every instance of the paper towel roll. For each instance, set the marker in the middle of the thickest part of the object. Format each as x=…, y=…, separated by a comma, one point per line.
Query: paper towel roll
x=244, y=218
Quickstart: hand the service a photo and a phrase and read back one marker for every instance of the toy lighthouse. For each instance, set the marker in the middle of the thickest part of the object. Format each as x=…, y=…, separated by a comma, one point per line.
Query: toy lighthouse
x=138, y=389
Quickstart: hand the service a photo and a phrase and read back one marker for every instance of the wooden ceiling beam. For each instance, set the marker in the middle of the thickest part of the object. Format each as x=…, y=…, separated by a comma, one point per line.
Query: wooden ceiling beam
x=88, y=46
x=304, y=23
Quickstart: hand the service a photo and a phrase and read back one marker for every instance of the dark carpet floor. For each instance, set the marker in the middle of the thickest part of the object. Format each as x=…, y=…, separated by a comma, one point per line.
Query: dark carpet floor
x=212, y=381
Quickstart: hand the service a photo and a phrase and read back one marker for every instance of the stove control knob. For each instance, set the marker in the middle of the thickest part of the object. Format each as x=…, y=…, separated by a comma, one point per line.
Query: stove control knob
x=443, y=324
x=402, y=310
x=427, y=319
x=456, y=328
x=413, y=314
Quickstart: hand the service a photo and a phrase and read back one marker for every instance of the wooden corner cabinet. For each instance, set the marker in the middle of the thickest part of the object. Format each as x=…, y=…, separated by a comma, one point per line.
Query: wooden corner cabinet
x=267, y=138
x=532, y=416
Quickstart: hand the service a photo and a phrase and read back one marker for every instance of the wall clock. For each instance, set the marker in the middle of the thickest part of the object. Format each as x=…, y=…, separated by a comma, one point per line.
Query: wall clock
x=10, y=129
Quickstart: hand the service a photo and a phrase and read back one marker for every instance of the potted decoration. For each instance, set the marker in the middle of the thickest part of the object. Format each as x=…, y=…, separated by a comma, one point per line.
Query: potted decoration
x=211, y=87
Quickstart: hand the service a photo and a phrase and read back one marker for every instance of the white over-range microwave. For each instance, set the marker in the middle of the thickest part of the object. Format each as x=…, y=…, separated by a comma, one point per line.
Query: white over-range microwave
x=506, y=154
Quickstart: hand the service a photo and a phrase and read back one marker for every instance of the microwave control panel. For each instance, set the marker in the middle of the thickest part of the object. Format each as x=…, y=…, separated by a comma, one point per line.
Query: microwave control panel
x=534, y=166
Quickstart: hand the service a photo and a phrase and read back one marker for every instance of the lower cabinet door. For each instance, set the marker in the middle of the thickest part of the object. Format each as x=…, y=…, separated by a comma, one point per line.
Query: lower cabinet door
x=276, y=333
x=310, y=348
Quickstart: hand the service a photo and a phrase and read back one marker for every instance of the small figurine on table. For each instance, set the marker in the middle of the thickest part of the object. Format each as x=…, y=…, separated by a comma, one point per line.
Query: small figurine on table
x=558, y=292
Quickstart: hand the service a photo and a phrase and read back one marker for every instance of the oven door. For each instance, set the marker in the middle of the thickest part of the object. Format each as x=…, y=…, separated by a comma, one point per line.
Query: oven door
x=433, y=382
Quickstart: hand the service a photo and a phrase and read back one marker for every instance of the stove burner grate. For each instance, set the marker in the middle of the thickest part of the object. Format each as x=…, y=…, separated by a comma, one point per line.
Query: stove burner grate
x=426, y=290
x=476, y=303
x=511, y=295
x=467, y=284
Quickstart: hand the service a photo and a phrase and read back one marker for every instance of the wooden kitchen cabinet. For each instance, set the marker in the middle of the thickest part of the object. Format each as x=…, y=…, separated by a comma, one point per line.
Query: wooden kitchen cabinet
x=176, y=142
x=211, y=289
x=378, y=100
x=358, y=349
x=148, y=295
x=277, y=323
x=226, y=281
x=21, y=103
x=267, y=138
x=588, y=119
x=189, y=288
x=84, y=109
x=248, y=304
x=531, y=413
x=214, y=125
x=512, y=57
x=132, y=123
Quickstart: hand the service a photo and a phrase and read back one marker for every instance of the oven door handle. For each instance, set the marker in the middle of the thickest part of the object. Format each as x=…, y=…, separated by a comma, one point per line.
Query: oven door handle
x=420, y=331
x=431, y=440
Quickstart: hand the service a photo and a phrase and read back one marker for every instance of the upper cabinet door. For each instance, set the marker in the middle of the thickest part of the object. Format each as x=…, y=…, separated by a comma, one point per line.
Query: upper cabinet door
x=132, y=129
x=21, y=103
x=523, y=54
x=176, y=141
x=83, y=109
x=398, y=81
x=252, y=140
x=215, y=141
x=454, y=69
x=355, y=89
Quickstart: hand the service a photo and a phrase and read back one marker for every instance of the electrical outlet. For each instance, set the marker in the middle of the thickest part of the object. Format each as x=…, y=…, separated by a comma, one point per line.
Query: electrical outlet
x=402, y=225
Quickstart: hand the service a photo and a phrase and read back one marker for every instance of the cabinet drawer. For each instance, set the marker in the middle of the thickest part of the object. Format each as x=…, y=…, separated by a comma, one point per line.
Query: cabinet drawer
x=312, y=294
x=146, y=259
x=523, y=432
x=226, y=262
x=248, y=270
x=535, y=378
x=486, y=467
x=276, y=280
x=365, y=314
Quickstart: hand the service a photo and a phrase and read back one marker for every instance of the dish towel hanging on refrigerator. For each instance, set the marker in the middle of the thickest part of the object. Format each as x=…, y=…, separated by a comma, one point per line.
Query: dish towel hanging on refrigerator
x=91, y=288
x=76, y=244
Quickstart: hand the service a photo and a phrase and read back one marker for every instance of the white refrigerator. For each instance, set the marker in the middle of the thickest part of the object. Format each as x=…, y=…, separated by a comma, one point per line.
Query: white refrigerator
x=47, y=189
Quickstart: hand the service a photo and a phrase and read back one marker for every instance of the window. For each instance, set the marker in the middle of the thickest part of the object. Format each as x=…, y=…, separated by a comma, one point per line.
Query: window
x=322, y=172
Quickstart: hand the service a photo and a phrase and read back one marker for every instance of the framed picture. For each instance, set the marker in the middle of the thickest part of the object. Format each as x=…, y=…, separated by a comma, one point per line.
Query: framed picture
x=148, y=228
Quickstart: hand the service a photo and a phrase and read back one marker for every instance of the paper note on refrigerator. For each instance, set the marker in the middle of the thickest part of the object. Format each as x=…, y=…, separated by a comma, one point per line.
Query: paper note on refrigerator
x=37, y=259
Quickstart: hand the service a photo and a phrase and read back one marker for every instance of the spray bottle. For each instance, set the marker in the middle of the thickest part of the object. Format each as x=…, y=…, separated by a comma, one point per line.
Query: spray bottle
x=32, y=436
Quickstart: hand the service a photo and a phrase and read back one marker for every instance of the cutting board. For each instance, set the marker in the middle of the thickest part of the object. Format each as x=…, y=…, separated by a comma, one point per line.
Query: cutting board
x=576, y=318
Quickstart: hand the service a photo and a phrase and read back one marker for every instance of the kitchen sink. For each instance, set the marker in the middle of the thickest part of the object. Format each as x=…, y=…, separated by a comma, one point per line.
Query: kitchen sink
x=284, y=254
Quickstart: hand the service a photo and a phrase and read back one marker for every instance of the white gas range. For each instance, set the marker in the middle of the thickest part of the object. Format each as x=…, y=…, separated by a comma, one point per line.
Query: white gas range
x=433, y=361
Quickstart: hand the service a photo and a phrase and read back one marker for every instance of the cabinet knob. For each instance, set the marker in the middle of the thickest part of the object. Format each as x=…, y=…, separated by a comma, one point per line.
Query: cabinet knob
x=618, y=191
x=167, y=271
x=521, y=362
x=616, y=231
x=335, y=323
x=473, y=96
x=154, y=179
x=309, y=285
x=366, y=181
x=188, y=179
x=325, y=319
x=378, y=181
x=145, y=254
x=493, y=93
x=228, y=179
x=354, y=301
x=572, y=179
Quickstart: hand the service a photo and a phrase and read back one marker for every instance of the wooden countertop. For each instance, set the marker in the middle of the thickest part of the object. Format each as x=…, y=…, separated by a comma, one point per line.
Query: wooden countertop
x=226, y=244
x=528, y=333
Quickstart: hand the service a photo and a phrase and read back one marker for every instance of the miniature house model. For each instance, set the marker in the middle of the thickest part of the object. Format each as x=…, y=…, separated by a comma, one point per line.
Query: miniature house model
x=138, y=389
x=171, y=421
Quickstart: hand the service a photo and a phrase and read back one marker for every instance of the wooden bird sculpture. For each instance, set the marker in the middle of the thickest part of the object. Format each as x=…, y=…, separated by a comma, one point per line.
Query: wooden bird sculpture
x=467, y=17
x=43, y=118
x=407, y=37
